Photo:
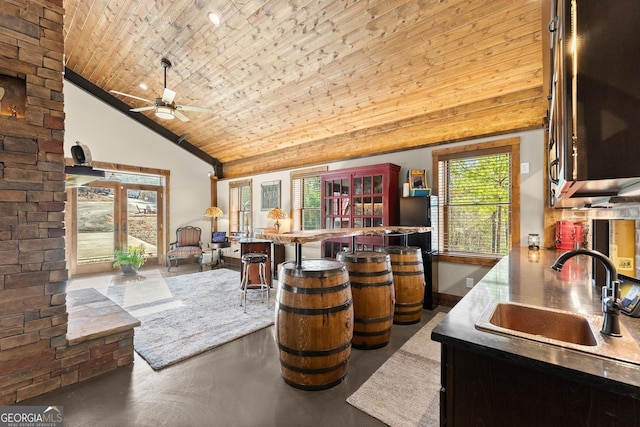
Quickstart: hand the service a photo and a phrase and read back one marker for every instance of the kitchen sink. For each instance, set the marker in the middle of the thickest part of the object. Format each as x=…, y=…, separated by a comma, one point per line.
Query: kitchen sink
x=557, y=327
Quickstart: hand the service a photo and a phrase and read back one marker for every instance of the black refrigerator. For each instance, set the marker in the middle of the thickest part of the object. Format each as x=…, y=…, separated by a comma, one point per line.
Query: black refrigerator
x=423, y=211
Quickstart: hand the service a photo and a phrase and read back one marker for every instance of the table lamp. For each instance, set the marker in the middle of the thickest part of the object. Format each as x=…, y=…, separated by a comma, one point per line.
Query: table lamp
x=214, y=213
x=277, y=214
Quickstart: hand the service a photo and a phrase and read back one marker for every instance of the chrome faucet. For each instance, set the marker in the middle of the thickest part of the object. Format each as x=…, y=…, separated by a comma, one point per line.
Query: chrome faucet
x=611, y=303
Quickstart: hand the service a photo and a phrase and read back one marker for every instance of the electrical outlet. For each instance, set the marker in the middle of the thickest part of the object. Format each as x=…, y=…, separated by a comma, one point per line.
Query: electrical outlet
x=469, y=282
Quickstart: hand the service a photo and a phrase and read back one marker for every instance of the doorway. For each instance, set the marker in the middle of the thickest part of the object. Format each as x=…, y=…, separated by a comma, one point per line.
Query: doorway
x=121, y=211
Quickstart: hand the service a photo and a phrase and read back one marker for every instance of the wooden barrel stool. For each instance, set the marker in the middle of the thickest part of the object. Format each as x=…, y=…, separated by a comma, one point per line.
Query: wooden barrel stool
x=373, y=297
x=409, y=282
x=314, y=323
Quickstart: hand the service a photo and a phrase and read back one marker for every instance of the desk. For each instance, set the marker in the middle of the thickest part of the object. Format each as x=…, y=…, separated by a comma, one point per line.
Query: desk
x=217, y=247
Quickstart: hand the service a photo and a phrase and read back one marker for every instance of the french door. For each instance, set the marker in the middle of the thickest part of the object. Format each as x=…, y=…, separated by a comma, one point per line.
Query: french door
x=110, y=215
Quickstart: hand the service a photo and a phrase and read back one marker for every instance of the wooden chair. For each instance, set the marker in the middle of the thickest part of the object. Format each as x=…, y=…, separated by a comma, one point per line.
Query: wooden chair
x=187, y=245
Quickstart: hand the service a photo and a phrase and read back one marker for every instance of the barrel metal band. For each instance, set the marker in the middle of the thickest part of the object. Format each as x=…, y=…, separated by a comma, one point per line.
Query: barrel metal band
x=408, y=304
x=314, y=353
x=316, y=311
x=372, y=319
x=369, y=273
x=406, y=263
x=408, y=273
x=372, y=334
x=313, y=371
x=382, y=259
x=359, y=285
x=336, y=269
x=328, y=290
x=314, y=387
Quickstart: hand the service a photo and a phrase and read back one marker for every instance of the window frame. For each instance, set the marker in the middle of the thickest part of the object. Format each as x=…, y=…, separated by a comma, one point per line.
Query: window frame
x=297, y=213
x=235, y=224
x=510, y=146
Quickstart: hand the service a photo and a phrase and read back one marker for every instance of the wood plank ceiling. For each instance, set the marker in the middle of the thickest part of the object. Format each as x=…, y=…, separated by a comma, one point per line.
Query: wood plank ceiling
x=305, y=82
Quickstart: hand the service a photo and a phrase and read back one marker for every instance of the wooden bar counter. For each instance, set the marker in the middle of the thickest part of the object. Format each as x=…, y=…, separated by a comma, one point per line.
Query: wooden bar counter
x=307, y=236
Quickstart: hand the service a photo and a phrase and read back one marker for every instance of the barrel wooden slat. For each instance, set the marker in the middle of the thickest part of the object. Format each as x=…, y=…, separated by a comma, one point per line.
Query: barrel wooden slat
x=373, y=297
x=409, y=282
x=314, y=323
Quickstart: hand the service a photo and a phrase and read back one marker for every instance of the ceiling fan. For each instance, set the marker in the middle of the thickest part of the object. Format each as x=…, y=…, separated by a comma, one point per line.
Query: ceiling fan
x=164, y=107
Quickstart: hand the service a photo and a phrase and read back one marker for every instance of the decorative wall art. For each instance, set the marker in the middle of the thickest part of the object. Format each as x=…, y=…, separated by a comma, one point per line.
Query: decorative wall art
x=13, y=96
x=270, y=195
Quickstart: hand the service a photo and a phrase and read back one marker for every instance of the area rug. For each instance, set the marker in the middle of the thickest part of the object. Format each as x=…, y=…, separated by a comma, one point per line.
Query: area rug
x=405, y=390
x=186, y=315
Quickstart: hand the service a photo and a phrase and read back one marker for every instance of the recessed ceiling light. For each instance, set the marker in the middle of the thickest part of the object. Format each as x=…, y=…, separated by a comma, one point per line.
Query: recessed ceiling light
x=143, y=86
x=214, y=18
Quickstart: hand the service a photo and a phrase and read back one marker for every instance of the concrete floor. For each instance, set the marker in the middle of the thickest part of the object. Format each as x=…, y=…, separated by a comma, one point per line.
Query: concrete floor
x=237, y=384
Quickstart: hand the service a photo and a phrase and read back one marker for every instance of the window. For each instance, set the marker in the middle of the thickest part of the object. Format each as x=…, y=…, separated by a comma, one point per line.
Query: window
x=479, y=198
x=305, y=199
x=240, y=207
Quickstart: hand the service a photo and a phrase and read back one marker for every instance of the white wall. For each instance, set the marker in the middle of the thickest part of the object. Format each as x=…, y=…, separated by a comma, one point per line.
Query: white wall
x=451, y=276
x=113, y=137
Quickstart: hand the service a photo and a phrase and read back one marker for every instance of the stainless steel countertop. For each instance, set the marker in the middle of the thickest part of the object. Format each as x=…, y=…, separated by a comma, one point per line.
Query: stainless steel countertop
x=517, y=278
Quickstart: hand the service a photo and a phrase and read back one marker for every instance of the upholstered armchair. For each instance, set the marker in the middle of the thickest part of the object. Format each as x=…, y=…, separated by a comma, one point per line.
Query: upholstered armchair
x=187, y=245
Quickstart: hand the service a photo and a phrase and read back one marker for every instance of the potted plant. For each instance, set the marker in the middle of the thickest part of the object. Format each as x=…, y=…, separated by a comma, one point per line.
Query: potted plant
x=129, y=260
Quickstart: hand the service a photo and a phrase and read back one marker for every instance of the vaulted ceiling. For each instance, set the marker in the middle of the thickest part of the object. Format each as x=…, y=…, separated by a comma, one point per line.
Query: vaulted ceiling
x=303, y=82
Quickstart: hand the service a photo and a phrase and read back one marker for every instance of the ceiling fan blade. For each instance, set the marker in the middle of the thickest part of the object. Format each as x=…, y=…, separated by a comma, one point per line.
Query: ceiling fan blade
x=181, y=116
x=132, y=96
x=196, y=109
x=168, y=95
x=137, y=110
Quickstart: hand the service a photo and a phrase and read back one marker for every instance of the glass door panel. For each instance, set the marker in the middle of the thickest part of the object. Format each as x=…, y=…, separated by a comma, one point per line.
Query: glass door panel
x=377, y=184
x=95, y=225
x=357, y=185
x=141, y=219
x=367, y=185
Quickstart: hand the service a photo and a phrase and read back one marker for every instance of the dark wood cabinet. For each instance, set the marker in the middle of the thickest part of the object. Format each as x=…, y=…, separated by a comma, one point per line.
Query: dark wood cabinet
x=593, y=130
x=278, y=257
x=478, y=389
x=365, y=196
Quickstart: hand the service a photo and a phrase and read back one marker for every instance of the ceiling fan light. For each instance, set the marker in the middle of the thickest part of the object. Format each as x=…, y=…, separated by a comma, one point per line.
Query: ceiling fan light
x=165, y=113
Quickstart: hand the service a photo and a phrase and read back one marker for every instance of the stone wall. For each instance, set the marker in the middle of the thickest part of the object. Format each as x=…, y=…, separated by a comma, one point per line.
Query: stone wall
x=33, y=313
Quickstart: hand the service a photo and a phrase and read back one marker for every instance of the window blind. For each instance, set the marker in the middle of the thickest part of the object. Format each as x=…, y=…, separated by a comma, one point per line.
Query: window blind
x=305, y=199
x=475, y=204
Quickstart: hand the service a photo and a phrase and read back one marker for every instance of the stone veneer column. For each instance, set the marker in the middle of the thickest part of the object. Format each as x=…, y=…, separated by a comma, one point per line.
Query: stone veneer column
x=33, y=275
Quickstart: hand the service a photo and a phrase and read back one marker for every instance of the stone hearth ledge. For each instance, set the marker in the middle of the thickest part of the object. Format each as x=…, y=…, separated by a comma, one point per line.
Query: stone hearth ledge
x=93, y=315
